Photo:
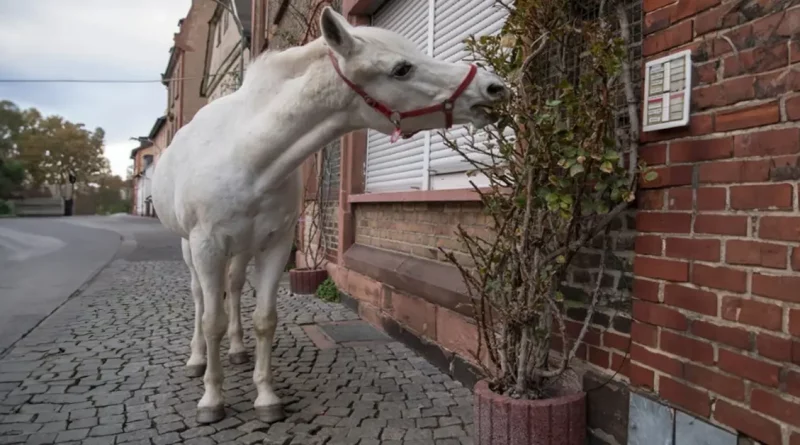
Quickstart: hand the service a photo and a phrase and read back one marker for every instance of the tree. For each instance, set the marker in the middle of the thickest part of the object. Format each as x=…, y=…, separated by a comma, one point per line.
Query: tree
x=51, y=148
x=11, y=121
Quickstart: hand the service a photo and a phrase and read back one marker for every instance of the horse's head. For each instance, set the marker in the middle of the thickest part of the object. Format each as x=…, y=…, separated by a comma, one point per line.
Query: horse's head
x=405, y=90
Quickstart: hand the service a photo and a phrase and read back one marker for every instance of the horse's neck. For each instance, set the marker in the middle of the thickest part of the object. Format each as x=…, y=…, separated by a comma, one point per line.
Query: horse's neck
x=298, y=105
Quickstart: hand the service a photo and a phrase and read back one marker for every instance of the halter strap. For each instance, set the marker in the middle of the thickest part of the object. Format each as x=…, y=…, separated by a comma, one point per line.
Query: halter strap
x=396, y=116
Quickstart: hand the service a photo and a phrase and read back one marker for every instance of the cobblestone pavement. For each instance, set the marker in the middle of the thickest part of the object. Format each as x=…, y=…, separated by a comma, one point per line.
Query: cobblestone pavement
x=107, y=367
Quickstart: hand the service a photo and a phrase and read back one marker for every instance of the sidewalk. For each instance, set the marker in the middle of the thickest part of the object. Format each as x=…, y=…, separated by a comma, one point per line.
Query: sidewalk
x=107, y=367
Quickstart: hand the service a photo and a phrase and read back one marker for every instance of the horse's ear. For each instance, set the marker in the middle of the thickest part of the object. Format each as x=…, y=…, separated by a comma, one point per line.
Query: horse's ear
x=336, y=32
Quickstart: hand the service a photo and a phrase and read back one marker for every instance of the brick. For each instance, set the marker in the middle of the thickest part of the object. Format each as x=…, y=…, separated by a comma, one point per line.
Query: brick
x=650, y=199
x=688, y=8
x=693, y=249
x=794, y=51
x=754, y=253
x=793, y=108
x=658, y=20
x=767, y=143
x=652, y=5
x=667, y=39
x=775, y=406
x=730, y=387
x=721, y=224
x=680, y=198
x=616, y=341
x=712, y=198
x=665, y=222
x=694, y=350
x=645, y=289
x=699, y=124
x=775, y=84
x=793, y=383
x=706, y=73
x=762, y=197
x=783, y=228
x=736, y=337
x=736, y=172
x=742, y=37
x=779, y=287
x=789, y=23
x=694, y=300
x=775, y=348
x=748, y=422
x=748, y=117
x=414, y=312
x=655, y=360
x=724, y=93
x=749, y=368
x=659, y=315
x=796, y=258
x=599, y=357
x=661, y=268
x=648, y=245
x=621, y=364
x=685, y=396
x=794, y=322
x=714, y=19
x=669, y=177
x=701, y=150
x=751, y=312
x=644, y=334
x=642, y=377
x=653, y=154
x=719, y=278
x=756, y=60
x=456, y=333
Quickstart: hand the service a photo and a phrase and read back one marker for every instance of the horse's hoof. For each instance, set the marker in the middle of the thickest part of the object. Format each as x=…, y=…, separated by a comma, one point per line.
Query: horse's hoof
x=238, y=358
x=212, y=414
x=195, y=370
x=270, y=414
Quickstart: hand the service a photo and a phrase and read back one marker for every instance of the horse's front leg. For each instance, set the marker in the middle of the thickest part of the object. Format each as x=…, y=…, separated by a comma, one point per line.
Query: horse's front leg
x=269, y=267
x=237, y=275
x=210, y=264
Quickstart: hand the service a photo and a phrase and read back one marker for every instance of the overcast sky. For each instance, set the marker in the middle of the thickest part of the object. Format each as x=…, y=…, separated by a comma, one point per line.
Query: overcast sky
x=90, y=39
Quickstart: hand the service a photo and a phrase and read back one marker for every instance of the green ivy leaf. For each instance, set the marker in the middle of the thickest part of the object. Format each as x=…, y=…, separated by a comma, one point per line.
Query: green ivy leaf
x=607, y=167
x=650, y=176
x=575, y=169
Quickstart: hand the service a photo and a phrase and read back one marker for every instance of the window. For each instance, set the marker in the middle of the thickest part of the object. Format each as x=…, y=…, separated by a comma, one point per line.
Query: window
x=148, y=159
x=225, y=20
x=424, y=162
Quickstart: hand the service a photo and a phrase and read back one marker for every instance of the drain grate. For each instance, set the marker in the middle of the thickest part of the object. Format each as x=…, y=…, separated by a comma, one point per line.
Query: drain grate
x=352, y=331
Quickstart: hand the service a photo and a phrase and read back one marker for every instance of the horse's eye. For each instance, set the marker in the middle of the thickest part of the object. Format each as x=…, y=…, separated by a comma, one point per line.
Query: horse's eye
x=402, y=70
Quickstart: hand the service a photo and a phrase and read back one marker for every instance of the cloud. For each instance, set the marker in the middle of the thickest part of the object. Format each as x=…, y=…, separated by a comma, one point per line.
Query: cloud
x=90, y=39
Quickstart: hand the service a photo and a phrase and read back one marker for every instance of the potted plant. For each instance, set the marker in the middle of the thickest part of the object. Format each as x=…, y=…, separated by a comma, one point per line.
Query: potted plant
x=305, y=280
x=557, y=169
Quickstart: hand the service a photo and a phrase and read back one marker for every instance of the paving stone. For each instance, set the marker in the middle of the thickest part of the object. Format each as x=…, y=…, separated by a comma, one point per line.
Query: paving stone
x=67, y=436
x=119, y=377
x=41, y=438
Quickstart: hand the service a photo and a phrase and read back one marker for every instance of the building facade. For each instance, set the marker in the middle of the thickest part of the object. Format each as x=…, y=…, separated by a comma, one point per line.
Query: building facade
x=705, y=338
x=144, y=158
x=227, y=49
x=183, y=75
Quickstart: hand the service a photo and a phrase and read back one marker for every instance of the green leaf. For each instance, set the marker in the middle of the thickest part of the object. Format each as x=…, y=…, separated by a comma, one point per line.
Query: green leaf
x=650, y=176
x=607, y=167
x=575, y=169
x=553, y=103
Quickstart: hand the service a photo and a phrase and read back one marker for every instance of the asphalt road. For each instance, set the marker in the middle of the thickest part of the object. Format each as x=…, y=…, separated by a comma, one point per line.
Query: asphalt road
x=43, y=261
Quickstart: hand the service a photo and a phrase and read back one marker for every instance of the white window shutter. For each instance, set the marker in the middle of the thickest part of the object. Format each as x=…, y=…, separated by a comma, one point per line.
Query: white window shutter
x=398, y=166
x=456, y=20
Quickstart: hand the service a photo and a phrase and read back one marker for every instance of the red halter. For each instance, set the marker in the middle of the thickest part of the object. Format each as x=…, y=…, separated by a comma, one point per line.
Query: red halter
x=396, y=116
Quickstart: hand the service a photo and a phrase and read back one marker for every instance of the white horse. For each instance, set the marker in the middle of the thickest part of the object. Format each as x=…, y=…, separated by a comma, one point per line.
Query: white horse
x=230, y=182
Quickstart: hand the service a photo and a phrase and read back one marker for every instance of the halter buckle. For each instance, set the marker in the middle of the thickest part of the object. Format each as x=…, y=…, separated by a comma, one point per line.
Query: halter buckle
x=395, y=118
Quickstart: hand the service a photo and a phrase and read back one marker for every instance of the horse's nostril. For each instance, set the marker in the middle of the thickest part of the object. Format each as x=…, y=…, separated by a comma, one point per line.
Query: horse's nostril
x=496, y=89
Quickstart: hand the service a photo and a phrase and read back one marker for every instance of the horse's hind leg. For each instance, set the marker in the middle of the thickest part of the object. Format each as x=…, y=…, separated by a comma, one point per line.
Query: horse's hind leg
x=237, y=274
x=196, y=365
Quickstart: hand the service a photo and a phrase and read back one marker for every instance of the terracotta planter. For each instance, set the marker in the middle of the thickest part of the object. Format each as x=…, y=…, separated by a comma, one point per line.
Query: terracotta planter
x=500, y=420
x=306, y=281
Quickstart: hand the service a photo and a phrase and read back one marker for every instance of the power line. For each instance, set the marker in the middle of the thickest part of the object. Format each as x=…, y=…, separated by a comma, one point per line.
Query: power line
x=107, y=80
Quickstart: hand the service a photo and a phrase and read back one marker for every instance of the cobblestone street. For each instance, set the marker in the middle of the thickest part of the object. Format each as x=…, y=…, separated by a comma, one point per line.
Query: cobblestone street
x=108, y=367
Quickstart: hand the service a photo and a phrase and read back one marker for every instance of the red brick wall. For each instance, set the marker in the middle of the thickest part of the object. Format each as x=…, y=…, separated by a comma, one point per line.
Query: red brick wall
x=717, y=295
